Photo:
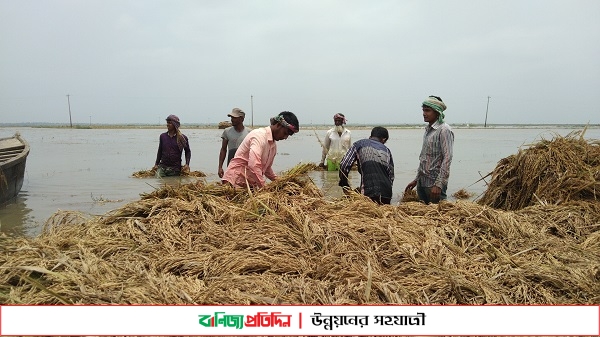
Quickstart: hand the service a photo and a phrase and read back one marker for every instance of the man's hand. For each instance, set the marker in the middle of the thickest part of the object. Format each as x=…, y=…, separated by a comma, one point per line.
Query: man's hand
x=322, y=165
x=185, y=168
x=410, y=186
x=221, y=172
x=343, y=183
x=346, y=190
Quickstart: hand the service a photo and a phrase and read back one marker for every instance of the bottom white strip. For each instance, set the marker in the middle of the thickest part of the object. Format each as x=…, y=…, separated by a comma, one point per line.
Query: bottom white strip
x=299, y=320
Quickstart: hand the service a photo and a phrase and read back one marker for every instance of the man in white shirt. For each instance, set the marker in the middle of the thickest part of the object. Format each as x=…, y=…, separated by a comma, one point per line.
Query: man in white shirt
x=337, y=142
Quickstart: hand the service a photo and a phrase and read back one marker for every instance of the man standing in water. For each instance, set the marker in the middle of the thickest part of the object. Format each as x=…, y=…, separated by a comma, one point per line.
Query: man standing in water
x=253, y=160
x=375, y=165
x=436, y=154
x=232, y=137
x=170, y=147
x=337, y=143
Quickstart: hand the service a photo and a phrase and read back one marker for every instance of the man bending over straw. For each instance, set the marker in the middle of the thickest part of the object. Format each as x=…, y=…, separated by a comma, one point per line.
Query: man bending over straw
x=253, y=160
x=375, y=165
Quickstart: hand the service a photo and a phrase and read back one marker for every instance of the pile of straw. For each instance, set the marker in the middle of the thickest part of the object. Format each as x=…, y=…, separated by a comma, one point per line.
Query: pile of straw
x=212, y=244
x=224, y=124
x=463, y=194
x=410, y=195
x=152, y=174
x=549, y=172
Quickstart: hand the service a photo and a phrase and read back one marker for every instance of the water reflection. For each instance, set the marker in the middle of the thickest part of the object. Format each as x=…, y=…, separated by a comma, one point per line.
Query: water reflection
x=328, y=182
x=173, y=181
x=15, y=215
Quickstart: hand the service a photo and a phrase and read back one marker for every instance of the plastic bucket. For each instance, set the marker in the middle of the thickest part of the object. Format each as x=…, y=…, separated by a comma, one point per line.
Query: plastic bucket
x=332, y=166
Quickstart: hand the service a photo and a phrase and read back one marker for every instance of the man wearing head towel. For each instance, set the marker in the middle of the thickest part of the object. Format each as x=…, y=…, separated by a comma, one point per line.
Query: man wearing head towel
x=170, y=147
x=436, y=154
x=336, y=144
x=253, y=160
x=232, y=138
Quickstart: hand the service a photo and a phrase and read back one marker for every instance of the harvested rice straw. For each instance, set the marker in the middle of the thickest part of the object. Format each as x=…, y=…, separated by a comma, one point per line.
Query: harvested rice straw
x=549, y=172
x=152, y=173
x=286, y=244
x=144, y=174
x=463, y=194
x=193, y=174
x=410, y=195
x=301, y=169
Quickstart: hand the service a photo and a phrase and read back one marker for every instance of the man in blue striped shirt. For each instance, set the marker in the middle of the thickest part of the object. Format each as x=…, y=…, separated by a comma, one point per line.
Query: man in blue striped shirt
x=436, y=154
x=375, y=165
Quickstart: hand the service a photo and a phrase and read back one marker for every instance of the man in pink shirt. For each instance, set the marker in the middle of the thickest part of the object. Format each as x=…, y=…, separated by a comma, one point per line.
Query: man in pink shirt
x=253, y=160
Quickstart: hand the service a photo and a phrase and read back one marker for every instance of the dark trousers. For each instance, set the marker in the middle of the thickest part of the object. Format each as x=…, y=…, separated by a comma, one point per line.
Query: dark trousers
x=164, y=171
x=424, y=193
x=381, y=200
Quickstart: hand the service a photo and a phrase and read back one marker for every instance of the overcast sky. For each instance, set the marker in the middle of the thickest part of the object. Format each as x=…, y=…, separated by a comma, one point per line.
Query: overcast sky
x=137, y=61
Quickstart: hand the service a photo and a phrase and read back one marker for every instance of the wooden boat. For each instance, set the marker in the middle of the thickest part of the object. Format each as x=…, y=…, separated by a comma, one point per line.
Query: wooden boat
x=13, y=154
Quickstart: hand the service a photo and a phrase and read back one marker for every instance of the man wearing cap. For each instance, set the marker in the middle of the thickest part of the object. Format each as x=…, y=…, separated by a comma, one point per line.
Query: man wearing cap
x=170, y=147
x=232, y=137
x=436, y=154
x=253, y=160
x=337, y=142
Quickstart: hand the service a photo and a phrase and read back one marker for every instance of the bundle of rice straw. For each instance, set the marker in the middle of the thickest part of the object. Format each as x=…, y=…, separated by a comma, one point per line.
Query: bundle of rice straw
x=224, y=124
x=550, y=172
x=410, y=195
x=462, y=194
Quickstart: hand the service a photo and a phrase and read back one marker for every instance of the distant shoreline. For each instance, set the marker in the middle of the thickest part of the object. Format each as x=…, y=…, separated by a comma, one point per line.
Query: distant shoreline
x=310, y=126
